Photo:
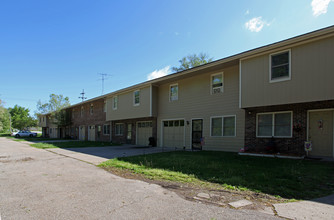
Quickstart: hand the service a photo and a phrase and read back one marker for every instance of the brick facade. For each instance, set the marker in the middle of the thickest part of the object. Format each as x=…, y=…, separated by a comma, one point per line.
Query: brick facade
x=293, y=145
x=97, y=118
x=123, y=138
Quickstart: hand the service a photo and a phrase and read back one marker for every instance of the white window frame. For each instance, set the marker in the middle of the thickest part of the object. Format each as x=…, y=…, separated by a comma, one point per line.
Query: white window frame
x=114, y=103
x=211, y=84
x=281, y=78
x=121, y=132
x=134, y=98
x=104, y=133
x=273, y=124
x=169, y=92
x=222, y=117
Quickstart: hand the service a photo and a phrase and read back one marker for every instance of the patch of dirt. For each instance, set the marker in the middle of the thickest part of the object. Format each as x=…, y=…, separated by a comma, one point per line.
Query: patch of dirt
x=215, y=194
x=7, y=159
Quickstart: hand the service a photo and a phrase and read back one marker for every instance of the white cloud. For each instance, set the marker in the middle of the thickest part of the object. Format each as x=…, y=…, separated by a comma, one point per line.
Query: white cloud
x=319, y=7
x=159, y=73
x=256, y=24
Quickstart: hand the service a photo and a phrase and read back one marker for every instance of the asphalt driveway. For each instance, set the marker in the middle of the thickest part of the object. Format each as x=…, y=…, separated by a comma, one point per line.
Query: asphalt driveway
x=39, y=184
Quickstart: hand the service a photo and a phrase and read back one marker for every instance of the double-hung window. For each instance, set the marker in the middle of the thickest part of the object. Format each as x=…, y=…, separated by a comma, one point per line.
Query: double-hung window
x=136, y=97
x=277, y=124
x=106, y=129
x=280, y=66
x=217, y=83
x=173, y=92
x=223, y=126
x=119, y=129
x=114, y=102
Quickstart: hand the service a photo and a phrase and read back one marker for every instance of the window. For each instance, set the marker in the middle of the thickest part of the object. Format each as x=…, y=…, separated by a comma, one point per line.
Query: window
x=106, y=129
x=119, y=128
x=136, y=97
x=280, y=66
x=91, y=109
x=82, y=111
x=216, y=126
x=217, y=83
x=173, y=92
x=274, y=124
x=223, y=126
x=147, y=124
x=174, y=123
x=115, y=102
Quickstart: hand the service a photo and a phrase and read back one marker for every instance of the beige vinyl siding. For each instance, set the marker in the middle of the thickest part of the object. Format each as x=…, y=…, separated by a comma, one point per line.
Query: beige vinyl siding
x=155, y=96
x=196, y=102
x=126, y=109
x=41, y=122
x=311, y=77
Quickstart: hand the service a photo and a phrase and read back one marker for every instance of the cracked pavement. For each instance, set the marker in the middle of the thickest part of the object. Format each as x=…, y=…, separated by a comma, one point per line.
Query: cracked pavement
x=38, y=184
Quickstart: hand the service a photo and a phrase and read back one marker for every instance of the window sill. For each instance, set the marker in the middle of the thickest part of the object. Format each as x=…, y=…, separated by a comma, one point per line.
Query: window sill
x=280, y=79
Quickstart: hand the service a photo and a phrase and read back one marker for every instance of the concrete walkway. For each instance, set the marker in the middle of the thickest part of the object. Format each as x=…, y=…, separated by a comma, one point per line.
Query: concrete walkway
x=322, y=208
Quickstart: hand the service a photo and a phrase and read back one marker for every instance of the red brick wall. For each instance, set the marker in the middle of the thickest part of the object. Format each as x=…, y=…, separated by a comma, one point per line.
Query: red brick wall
x=294, y=145
x=123, y=139
x=98, y=118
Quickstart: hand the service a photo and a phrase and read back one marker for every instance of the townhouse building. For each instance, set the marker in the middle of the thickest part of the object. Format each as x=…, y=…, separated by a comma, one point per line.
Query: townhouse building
x=87, y=122
x=269, y=99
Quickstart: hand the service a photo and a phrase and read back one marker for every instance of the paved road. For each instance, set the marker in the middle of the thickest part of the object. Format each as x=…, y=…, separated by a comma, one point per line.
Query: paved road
x=37, y=184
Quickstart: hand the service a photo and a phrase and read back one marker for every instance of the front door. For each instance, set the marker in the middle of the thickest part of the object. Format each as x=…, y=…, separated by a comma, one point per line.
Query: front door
x=321, y=133
x=91, y=133
x=129, y=134
x=197, y=133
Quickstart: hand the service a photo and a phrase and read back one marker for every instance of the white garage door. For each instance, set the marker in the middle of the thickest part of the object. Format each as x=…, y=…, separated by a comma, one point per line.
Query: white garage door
x=144, y=131
x=173, y=133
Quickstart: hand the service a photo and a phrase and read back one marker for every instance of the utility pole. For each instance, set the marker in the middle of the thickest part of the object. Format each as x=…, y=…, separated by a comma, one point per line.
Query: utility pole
x=103, y=77
x=82, y=95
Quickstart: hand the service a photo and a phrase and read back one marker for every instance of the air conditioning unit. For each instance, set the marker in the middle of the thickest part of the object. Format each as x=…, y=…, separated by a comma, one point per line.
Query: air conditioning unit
x=217, y=90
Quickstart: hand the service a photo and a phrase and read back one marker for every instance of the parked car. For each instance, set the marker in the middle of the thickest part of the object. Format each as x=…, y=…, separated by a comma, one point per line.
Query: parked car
x=24, y=134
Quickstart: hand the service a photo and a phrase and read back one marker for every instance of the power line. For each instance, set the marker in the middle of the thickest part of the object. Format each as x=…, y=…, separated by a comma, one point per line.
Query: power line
x=82, y=95
x=103, y=77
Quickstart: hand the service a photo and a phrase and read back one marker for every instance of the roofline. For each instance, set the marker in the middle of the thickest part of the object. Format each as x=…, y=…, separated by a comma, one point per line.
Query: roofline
x=326, y=32
x=301, y=39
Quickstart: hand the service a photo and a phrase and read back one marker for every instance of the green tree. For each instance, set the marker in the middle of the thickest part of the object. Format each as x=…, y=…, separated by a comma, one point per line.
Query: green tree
x=191, y=61
x=4, y=119
x=55, y=103
x=21, y=118
x=61, y=117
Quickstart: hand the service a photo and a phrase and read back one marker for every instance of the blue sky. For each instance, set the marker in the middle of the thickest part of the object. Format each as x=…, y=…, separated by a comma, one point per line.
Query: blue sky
x=61, y=46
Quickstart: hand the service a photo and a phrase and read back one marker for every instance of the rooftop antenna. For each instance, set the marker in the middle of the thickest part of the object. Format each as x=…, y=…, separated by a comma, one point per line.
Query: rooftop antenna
x=82, y=95
x=103, y=77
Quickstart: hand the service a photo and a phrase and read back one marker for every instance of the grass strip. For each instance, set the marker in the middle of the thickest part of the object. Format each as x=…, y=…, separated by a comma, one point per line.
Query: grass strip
x=286, y=178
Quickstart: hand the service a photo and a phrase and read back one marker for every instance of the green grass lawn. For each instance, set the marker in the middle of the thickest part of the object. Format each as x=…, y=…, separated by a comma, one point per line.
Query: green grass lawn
x=286, y=178
x=73, y=144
